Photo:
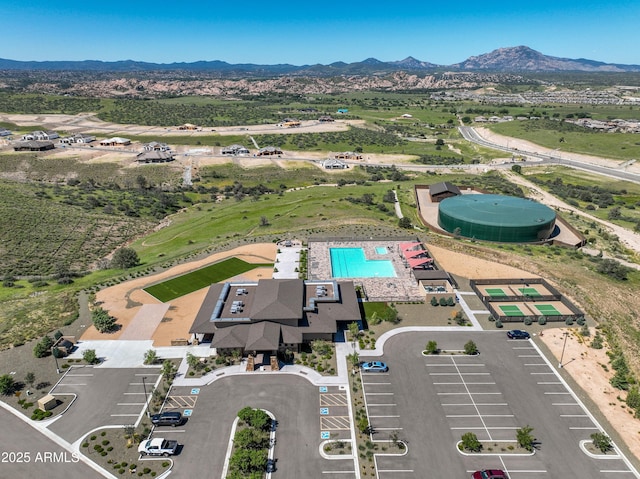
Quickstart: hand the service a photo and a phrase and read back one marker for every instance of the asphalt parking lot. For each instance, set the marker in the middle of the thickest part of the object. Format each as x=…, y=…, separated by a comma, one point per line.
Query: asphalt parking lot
x=303, y=411
x=432, y=400
x=104, y=397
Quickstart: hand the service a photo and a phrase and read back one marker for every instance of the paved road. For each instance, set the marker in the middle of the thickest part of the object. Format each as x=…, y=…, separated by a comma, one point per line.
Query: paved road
x=26, y=452
x=470, y=134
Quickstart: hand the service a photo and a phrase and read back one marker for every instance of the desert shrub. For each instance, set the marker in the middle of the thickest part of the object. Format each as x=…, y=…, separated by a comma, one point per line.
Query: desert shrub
x=602, y=441
x=470, y=442
x=432, y=347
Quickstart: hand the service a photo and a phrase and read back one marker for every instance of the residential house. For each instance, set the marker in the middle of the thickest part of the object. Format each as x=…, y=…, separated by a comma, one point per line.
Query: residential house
x=234, y=150
x=269, y=151
x=115, y=141
x=40, y=135
x=156, y=146
x=33, y=145
x=155, y=156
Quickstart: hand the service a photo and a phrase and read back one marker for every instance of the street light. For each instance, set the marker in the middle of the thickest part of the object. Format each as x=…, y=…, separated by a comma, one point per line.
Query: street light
x=566, y=335
x=146, y=400
x=55, y=357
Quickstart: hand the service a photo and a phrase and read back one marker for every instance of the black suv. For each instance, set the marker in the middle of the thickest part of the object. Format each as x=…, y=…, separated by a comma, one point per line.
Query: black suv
x=167, y=419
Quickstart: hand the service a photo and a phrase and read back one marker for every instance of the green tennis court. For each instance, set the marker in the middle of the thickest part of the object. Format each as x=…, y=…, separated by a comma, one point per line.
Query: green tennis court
x=496, y=292
x=511, y=310
x=529, y=292
x=547, y=309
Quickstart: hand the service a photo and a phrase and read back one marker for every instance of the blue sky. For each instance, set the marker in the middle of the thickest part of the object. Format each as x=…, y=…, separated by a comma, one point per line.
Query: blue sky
x=304, y=32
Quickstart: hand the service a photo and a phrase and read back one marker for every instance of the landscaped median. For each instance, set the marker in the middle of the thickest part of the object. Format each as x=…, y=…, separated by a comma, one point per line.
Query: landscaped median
x=251, y=445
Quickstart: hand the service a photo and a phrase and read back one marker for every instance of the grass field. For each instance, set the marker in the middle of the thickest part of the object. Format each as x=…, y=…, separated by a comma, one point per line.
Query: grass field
x=568, y=137
x=201, y=278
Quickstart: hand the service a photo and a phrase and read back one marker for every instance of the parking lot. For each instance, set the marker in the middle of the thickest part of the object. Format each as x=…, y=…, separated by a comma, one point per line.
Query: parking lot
x=103, y=397
x=432, y=400
x=306, y=414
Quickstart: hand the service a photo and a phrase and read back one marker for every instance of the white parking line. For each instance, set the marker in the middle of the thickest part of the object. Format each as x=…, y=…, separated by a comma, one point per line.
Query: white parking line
x=535, y=364
x=483, y=428
x=78, y=375
x=565, y=404
x=72, y=384
x=562, y=392
x=124, y=415
x=528, y=356
x=478, y=404
x=466, y=384
x=130, y=404
x=338, y=472
x=383, y=416
x=609, y=471
x=388, y=429
x=574, y=415
x=464, y=394
x=440, y=365
x=395, y=470
x=146, y=374
x=550, y=382
x=543, y=373
x=382, y=405
x=456, y=374
x=376, y=384
x=379, y=394
x=132, y=393
x=479, y=415
x=587, y=428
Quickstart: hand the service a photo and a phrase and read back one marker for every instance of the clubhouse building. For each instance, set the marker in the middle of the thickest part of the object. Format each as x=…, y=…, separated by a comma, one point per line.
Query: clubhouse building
x=274, y=314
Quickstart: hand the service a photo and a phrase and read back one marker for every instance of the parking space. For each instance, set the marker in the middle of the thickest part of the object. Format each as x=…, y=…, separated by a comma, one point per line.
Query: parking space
x=433, y=400
x=103, y=397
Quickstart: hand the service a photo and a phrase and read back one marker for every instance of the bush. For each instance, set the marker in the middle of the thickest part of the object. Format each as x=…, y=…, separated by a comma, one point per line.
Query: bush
x=602, y=441
x=469, y=442
x=525, y=438
x=470, y=348
x=43, y=348
x=103, y=322
x=542, y=320
x=597, y=342
x=432, y=348
x=498, y=323
x=7, y=385
x=90, y=356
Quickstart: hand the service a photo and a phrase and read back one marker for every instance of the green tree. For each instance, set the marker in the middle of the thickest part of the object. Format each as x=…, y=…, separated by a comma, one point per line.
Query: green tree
x=363, y=425
x=251, y=439
x=470, y=348
x=525, y=438
x=354, y=332
x=193, y=361
x=125, y=258
x=150, y=357
x=469, y=442
x=103, y=322
x=30, y=378
x=7, y=385
x=434, y=301
x=633, y=399
x=89, y=355
x=405, y=223
x=602, y=442
x=517, y=169
x=43, y=347
x=169, y=370
x=432, y=347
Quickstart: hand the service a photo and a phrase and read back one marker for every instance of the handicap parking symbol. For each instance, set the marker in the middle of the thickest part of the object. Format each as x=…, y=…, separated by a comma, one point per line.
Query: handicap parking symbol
x=325, y=435
x=323, y=389
x=195, y=391
x=187, y=412
x=324, y=411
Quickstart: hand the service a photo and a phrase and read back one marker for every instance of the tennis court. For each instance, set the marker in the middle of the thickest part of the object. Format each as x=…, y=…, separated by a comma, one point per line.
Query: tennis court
x=496, y=292
x=511, y=310
x=547, y=310
x=533, y=292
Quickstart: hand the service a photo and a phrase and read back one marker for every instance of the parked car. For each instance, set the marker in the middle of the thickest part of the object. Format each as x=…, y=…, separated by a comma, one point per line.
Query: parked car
x=374, y=367
x=158, y=446
x=167, y=419
x=517, y=334
x=489, y=474
x=271, y=465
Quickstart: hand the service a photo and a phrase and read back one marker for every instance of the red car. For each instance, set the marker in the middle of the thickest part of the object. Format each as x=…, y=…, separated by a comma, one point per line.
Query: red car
x=489, y=474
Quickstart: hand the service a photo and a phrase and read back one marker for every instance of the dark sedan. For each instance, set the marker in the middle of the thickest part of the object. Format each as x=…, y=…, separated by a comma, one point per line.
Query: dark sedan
x=517, y=334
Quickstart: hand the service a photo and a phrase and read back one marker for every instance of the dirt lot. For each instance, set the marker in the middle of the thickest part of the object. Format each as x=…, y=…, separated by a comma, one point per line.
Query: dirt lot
x=124, y=301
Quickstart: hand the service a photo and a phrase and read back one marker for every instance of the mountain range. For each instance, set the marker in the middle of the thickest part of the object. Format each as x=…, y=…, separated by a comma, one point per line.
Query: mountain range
x=505, y=60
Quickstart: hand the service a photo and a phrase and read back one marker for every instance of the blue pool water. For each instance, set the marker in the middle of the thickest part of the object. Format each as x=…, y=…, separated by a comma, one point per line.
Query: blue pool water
x=382, y=250
x=351, y=263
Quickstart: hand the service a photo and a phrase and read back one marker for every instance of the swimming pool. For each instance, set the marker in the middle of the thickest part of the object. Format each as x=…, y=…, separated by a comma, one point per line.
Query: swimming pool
x=382, y=250
x=352, y=263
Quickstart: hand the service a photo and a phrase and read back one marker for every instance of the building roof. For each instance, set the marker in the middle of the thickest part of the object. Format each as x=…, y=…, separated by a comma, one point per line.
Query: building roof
x=278, y=299
x=443, y=187
x=203, y=323
x=426, y=274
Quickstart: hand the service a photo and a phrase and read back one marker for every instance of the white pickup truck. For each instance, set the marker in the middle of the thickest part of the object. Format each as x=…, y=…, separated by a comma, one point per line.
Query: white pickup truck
x=158, y=446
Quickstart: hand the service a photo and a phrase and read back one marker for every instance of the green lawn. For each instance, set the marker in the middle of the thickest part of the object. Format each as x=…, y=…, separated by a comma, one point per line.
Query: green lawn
x=201, y=278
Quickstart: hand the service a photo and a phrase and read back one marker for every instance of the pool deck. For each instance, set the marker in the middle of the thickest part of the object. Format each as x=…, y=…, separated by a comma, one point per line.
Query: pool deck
x=403, y=287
